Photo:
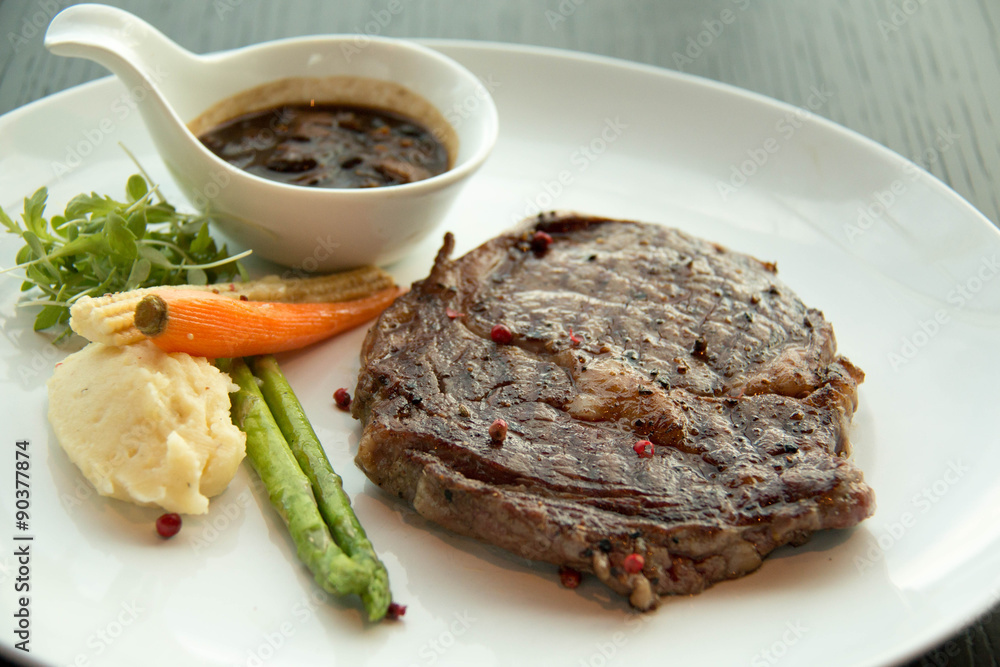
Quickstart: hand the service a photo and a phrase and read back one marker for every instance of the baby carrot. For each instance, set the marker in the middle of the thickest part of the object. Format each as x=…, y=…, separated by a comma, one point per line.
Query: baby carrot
x=210, y=325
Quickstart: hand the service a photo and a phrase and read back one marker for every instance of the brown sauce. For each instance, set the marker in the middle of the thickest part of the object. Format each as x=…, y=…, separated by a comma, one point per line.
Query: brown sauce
x=329, y=146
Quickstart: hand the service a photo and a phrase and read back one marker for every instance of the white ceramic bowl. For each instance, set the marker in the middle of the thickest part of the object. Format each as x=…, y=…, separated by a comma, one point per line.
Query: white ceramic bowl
x=302, y=227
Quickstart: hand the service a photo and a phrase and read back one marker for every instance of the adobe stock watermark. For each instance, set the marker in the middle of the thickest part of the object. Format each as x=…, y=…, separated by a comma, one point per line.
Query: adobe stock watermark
x=324, y=247
x=463, y=109
x=581, y=158
x=91, y=138
x=272, y=642
x=223, y=7
x=221, y=519
x=83, y=490
x=101, y=640
x=39, y=363
x=605, y=650
x=564, y=10
x=712, y=29
x=778, y=649
x=380, y=20
x=759, y=155
x=900, y=14
x=921, y=502
x=34, y=25
x=960, y=295
x=218, y=180
x=882, y=200
x=434, y=648
x=942, y=655
x=136, y=437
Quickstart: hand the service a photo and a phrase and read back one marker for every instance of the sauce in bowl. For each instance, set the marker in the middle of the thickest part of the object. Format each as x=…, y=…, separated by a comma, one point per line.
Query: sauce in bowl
x=329, y=146
x=339, y=132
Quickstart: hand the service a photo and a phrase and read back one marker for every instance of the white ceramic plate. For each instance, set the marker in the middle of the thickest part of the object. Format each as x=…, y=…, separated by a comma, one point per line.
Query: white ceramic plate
x=911, y=288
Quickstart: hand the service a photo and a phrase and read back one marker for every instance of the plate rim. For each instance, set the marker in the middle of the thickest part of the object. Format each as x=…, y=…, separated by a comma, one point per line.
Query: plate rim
x=934, y=633
x=687, y=78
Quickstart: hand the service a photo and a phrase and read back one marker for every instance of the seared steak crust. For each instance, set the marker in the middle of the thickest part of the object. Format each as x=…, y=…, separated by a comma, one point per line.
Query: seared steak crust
x=622, y=331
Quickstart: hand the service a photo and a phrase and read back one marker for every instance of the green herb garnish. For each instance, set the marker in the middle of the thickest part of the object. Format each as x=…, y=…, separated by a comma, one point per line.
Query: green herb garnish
x=99, y=245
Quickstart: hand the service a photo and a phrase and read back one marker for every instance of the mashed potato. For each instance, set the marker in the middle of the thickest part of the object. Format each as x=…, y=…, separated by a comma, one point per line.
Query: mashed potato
x=146, y=426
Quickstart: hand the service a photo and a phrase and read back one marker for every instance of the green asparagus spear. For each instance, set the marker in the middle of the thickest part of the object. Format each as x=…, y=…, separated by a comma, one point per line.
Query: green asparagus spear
x=334, y=504
x=289, y=488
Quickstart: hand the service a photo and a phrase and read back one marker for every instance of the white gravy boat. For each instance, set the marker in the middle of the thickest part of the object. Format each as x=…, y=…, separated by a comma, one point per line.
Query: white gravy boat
x=303, y=227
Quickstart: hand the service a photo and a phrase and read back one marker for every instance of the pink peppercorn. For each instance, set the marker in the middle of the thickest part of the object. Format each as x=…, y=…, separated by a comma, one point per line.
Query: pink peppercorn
x=395, y=611
x=644, y=448
x=498, y=430
x=573, y=338
x=501, y=335
x=569, y=577
x=168, y=525
x=633, y=563
x=342, y=398
x=540, y=242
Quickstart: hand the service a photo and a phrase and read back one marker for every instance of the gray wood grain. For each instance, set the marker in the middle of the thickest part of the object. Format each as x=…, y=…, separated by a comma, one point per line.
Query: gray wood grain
x=903, y=73
x=907, y=73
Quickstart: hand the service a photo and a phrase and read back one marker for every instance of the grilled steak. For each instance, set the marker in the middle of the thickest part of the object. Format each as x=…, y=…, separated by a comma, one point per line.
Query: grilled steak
x=621, y=332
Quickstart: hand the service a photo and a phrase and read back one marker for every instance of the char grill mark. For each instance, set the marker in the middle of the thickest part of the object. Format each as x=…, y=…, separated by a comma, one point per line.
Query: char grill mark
x=700, y=350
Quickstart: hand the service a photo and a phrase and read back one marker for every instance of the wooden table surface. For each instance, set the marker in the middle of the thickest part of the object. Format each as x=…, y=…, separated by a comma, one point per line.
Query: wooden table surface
x=914, y=75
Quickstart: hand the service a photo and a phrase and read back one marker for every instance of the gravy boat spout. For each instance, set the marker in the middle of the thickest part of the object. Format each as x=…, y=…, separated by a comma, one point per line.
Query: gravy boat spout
x=181, y=94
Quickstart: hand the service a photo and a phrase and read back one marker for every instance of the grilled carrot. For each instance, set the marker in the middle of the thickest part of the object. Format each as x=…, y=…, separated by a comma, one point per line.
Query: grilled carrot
x=209, y=325
x=109, y=319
